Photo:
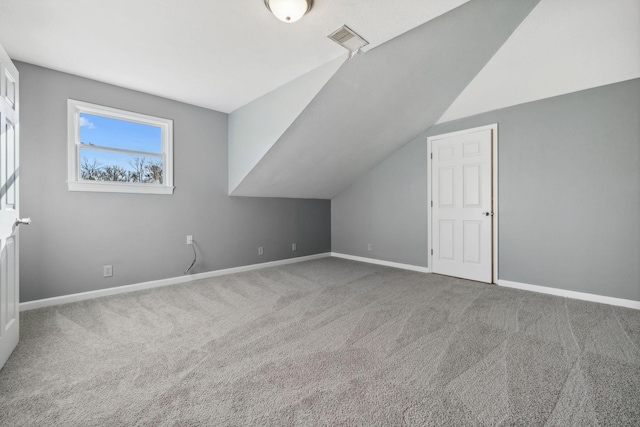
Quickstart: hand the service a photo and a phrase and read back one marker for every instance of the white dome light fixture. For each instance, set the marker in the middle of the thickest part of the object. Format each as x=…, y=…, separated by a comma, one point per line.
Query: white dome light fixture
x=289, y=10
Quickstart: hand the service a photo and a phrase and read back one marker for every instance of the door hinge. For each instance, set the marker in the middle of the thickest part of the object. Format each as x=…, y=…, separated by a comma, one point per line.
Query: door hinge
x=432, y=203
x=432, y=156
x=431, y=251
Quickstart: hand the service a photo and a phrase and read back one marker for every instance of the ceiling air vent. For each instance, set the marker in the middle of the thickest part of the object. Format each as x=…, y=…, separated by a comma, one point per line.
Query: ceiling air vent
x=348, y=39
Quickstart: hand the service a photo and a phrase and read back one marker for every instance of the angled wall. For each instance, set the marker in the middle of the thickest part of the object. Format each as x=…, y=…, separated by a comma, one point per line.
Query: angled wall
x=381, y=100
x=569, y=194
x=255, y=127
x=562, y=47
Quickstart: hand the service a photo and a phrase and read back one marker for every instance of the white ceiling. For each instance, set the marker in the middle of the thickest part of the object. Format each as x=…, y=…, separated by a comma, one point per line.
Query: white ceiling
x=562, y=47
x=219, y=54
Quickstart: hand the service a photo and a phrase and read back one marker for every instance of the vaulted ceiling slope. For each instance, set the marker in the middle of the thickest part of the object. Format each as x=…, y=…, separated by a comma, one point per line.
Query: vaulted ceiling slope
x=562, y=47
x=379, y=101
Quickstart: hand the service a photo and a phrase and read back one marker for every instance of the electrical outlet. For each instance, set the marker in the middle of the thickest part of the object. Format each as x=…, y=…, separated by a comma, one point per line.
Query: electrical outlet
x=260, y=250
x=369, y=247
x=108, y=270
x=189, y=240
x=294, y=247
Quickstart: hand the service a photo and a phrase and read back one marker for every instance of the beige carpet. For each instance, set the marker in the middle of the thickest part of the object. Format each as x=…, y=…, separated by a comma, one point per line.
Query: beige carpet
x=325, y=342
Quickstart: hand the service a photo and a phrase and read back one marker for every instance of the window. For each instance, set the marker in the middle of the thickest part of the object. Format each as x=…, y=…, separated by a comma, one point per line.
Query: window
x=112, y=150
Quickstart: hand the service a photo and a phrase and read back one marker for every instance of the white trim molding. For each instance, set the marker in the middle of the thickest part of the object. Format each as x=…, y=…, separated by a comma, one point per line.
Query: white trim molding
x=381, y=262
x=571, y=294
x=74, y=147
x=82, y=296
x=121, y=187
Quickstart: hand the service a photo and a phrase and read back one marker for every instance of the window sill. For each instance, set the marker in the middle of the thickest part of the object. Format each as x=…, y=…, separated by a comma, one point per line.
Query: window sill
x=108, y=187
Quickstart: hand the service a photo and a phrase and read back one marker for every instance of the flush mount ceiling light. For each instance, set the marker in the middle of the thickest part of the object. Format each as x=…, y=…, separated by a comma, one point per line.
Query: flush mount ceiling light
x=289, y=10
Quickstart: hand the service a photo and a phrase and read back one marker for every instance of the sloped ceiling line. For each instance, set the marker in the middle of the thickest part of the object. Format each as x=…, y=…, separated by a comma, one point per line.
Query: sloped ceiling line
x=254, y=128
x=562, y=47
x=379, y=101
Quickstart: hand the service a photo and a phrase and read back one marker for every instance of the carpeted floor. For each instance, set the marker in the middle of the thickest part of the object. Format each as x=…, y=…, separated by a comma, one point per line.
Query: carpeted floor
x=325, y=342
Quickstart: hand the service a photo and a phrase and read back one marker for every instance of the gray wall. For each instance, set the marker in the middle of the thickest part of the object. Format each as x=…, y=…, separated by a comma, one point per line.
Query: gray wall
x=144, y=236
x=569, y=194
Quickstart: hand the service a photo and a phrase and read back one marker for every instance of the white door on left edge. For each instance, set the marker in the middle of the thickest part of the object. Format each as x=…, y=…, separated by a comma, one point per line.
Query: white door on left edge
x=462, y=216
x=9, y=214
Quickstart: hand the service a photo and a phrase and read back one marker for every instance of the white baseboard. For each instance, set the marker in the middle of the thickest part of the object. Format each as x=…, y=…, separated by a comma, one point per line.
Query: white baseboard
x=65, y=299
x=571, y=294
x=380, y=262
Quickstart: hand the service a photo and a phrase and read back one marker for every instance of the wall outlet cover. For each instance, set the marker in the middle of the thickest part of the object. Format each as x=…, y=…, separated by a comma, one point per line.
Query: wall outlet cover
x=108, y=270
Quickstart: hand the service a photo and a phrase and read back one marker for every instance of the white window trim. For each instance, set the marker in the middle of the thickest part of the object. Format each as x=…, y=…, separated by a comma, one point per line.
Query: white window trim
x=74, y=108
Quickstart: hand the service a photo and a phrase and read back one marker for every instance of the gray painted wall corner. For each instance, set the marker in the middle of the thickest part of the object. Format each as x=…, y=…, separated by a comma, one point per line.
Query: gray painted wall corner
x=386, y=208
x=143, y=236
x=569, y=182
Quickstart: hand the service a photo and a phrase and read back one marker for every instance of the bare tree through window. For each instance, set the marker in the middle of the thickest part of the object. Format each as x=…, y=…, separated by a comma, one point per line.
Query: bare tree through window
x=141, y=170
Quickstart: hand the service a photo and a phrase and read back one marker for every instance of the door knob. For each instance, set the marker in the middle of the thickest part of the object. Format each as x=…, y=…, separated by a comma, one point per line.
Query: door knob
x=21, y=221
x=487, y=213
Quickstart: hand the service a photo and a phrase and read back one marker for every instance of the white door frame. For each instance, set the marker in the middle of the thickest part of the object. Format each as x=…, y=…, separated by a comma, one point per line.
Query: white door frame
x=494, y=174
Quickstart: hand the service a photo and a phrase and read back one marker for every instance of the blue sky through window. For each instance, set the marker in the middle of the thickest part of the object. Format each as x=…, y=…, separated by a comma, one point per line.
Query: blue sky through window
x=115, y=133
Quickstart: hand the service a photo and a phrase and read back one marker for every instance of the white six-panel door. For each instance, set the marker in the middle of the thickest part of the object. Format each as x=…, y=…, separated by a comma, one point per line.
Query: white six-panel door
x=9, y=177
x=462, y=213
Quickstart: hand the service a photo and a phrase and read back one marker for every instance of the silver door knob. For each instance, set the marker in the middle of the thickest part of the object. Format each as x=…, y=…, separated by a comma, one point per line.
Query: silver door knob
x=487, y=213
x=23, y=221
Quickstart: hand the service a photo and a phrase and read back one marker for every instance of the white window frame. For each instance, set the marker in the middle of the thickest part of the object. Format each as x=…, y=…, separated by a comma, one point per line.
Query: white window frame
x=74, y=108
